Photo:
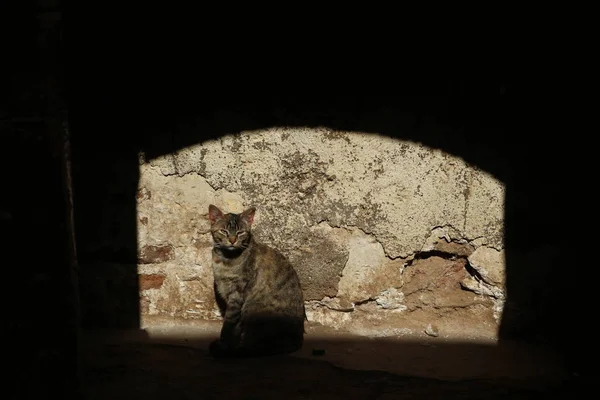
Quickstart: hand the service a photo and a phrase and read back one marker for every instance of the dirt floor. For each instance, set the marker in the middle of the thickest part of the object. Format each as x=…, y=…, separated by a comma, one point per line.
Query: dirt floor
x=172, y=362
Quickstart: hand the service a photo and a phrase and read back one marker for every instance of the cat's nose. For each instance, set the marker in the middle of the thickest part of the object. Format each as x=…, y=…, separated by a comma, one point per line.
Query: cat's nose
x=232, y=239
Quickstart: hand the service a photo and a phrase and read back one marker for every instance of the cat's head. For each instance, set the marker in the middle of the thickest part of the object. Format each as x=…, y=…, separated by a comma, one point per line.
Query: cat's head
x=231, y=231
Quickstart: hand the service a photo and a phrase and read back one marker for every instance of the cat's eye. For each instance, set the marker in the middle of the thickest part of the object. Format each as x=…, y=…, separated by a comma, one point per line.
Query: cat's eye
x=241, y=233
x=223, y=232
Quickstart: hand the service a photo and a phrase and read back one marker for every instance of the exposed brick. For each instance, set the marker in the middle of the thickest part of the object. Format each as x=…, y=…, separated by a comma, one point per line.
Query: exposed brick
x=150, y=254
x=151, y=281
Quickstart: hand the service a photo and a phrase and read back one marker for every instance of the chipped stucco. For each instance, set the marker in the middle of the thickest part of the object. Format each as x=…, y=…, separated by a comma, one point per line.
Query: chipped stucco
x=350, y=210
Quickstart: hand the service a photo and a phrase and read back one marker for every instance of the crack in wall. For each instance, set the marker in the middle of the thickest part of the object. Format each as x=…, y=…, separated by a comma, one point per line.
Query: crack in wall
x=468, y=181
x=467, y=195
x=364, y=216
x=349, y=227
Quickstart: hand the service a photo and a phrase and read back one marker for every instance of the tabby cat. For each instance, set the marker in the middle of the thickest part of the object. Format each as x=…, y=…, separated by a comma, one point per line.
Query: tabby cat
x=257, y=290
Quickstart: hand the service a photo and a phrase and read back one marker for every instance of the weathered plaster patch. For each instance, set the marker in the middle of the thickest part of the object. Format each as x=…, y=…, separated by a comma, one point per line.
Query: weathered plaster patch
x=350, y=210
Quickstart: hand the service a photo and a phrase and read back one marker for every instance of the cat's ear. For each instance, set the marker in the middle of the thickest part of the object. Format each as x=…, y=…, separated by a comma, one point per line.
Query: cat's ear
x=214, y=213
x=248, y=215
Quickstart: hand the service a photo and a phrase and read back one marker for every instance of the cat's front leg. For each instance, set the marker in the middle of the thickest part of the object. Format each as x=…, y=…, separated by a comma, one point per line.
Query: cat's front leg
x=231, y=330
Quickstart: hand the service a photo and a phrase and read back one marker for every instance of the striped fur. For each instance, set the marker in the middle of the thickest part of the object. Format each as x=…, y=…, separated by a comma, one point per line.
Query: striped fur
x=257, y=290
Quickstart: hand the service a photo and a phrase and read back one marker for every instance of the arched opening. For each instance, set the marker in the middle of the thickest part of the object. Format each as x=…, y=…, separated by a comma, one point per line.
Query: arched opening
x=117, y=115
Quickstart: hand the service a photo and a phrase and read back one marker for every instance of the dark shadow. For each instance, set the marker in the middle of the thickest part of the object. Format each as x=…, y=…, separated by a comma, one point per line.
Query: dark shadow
x=123, y=102
x=486, y=128
x=40, y=313
x=130, y=364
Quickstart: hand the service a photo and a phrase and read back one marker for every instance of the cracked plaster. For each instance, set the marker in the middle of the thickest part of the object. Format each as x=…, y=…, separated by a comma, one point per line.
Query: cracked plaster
x=348, y=213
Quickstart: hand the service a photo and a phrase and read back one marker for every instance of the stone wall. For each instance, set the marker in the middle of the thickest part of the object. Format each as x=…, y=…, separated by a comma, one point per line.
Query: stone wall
x=388, y=236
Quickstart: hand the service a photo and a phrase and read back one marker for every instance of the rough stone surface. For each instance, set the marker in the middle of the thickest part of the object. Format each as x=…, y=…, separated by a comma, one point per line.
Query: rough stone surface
x=396, y=190
x=435, y=282
x=432, y=330
x=184, y=293
x=351, y=211
x=496, y=295
x=151, y=281
x=150, y=254
x=391, y=299
x=447, y=240
x=368, y=271
x=477, y=286
x=458, y=249
x=489, y=263
x=319, y=256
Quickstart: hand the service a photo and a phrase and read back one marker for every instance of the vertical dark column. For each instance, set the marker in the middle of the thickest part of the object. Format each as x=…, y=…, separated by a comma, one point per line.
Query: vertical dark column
x=54, y=106
x=42, y=316
x=547, y=211
x=105, y=176
x=105, y=168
